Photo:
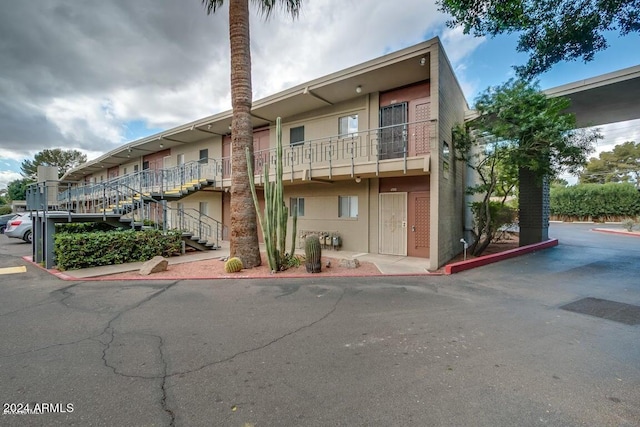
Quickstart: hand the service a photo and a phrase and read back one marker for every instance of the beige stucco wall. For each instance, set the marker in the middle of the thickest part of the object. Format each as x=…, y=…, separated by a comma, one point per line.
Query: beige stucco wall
x=212, y=198
x=127, y=168
x=191, y=150
x=323, y=123
x=321, y=211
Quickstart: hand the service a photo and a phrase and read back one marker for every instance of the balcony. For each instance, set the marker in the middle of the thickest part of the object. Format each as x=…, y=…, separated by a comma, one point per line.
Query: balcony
x=393, y=150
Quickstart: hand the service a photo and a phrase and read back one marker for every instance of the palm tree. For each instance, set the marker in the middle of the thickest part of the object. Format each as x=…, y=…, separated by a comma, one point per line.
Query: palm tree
x=244, y=228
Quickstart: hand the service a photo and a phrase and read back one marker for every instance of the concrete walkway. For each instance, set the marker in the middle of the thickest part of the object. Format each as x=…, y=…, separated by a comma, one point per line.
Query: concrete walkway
x=387, y=264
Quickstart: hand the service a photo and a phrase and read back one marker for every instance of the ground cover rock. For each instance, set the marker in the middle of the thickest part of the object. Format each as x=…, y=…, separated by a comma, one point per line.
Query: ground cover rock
x=349, y=263
x=154, y=265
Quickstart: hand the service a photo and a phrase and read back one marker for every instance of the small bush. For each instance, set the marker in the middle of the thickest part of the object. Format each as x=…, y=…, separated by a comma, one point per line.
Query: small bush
x=83, y=227
x=293, y=261
x=628, y=224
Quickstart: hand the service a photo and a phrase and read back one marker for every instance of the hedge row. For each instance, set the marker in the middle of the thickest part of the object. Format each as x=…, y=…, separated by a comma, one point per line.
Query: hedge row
x=82, y=250
x=595, y=202
x=83, y=227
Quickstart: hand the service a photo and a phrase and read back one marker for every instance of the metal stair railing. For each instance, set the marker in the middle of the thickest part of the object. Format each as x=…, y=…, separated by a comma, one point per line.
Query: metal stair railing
x=373, y=145
x=178, y=219
x=187, y=175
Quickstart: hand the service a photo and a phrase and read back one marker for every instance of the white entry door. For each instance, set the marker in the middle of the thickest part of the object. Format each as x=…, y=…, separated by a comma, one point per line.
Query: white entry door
x=393, y=224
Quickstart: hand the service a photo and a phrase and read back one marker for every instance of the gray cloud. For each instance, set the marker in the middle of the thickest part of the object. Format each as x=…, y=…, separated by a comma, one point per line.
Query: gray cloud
x=75, y=73
x=56, y=49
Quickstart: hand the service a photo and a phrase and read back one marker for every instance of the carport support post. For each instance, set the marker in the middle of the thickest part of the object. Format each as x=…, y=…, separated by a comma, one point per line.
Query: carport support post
x=533, y=206
x=49, y=231
x=37, y=232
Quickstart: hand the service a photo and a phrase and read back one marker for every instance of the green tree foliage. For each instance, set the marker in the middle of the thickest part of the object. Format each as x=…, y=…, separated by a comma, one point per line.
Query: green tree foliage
x=517, y=127
x=595, y=202
x=17, y=189
x=62, y=159
x=622, y=164
x=534, y=129
x=496, y=179
x=550, y=30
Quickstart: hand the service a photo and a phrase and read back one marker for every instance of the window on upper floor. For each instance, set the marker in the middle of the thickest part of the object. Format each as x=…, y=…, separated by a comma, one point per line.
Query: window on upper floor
x=347, y=206
x=204, y=156
x=296, y=204
x=348, y=125
x=296, y=135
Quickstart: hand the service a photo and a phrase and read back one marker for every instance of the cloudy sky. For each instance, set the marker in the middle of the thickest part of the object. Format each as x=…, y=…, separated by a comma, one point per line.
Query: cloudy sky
x=94, y=74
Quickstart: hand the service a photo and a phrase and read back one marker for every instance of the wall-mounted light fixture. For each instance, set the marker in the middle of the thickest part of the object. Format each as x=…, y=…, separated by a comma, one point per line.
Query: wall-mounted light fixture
x=423, y=61
x=129, y=150
x=358, y=180
x=358, y=89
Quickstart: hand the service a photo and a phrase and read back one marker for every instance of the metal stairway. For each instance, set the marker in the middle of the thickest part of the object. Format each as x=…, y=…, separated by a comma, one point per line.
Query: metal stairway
x=140, y=201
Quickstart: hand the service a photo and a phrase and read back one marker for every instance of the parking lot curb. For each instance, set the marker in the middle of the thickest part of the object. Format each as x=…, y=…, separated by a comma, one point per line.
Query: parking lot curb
x=459, y=266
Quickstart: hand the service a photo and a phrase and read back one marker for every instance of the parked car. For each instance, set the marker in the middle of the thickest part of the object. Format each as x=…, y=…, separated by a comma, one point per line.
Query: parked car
x=20, y=227
x=3, y=221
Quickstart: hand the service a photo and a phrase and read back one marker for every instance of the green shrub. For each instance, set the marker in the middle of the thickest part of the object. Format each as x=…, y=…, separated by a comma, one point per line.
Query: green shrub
x=595, y=202
x=501, y=216
x=628, y=224
x=83, y=227
x=82, y=250
x=5, y=210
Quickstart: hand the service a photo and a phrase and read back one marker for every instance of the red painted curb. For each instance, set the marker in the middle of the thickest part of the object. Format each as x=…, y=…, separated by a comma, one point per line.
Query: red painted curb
x=618, y=232
x=459, y=266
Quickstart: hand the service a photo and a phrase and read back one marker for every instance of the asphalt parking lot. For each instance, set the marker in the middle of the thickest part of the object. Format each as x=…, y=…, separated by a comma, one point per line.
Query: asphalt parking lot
x=487, y=347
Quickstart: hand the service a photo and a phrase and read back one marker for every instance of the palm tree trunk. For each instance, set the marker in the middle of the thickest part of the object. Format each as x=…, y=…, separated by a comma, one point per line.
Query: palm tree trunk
x=244, y=229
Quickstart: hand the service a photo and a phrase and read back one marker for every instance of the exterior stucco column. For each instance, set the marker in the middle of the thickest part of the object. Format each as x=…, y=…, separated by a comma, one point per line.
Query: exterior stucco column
x=533, y=206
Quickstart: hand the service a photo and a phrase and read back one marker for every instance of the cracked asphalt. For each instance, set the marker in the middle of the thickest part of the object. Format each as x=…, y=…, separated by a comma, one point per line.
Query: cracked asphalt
x=488, y=347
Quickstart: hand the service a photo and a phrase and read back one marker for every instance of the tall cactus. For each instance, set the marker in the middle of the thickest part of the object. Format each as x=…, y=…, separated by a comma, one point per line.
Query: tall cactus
x=274, y=220
x=313, y=254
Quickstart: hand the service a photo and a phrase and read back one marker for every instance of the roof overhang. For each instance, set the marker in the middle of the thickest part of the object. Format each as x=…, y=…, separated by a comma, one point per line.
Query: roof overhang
x=391, y=71
x=608, y=98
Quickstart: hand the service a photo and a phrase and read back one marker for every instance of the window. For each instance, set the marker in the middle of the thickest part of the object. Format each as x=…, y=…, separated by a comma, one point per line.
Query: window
x=296, y=204
x=135, y=168
x=348, y=125
x=204, y=156
x=348, y=206
x=445, y=150
x=296, y=135
x=145, y=165
x=125, y=171
x=180, y=158
x=204, y=208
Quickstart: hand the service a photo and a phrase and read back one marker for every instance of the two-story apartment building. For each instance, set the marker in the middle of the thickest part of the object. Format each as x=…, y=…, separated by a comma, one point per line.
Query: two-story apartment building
x=367, y=156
